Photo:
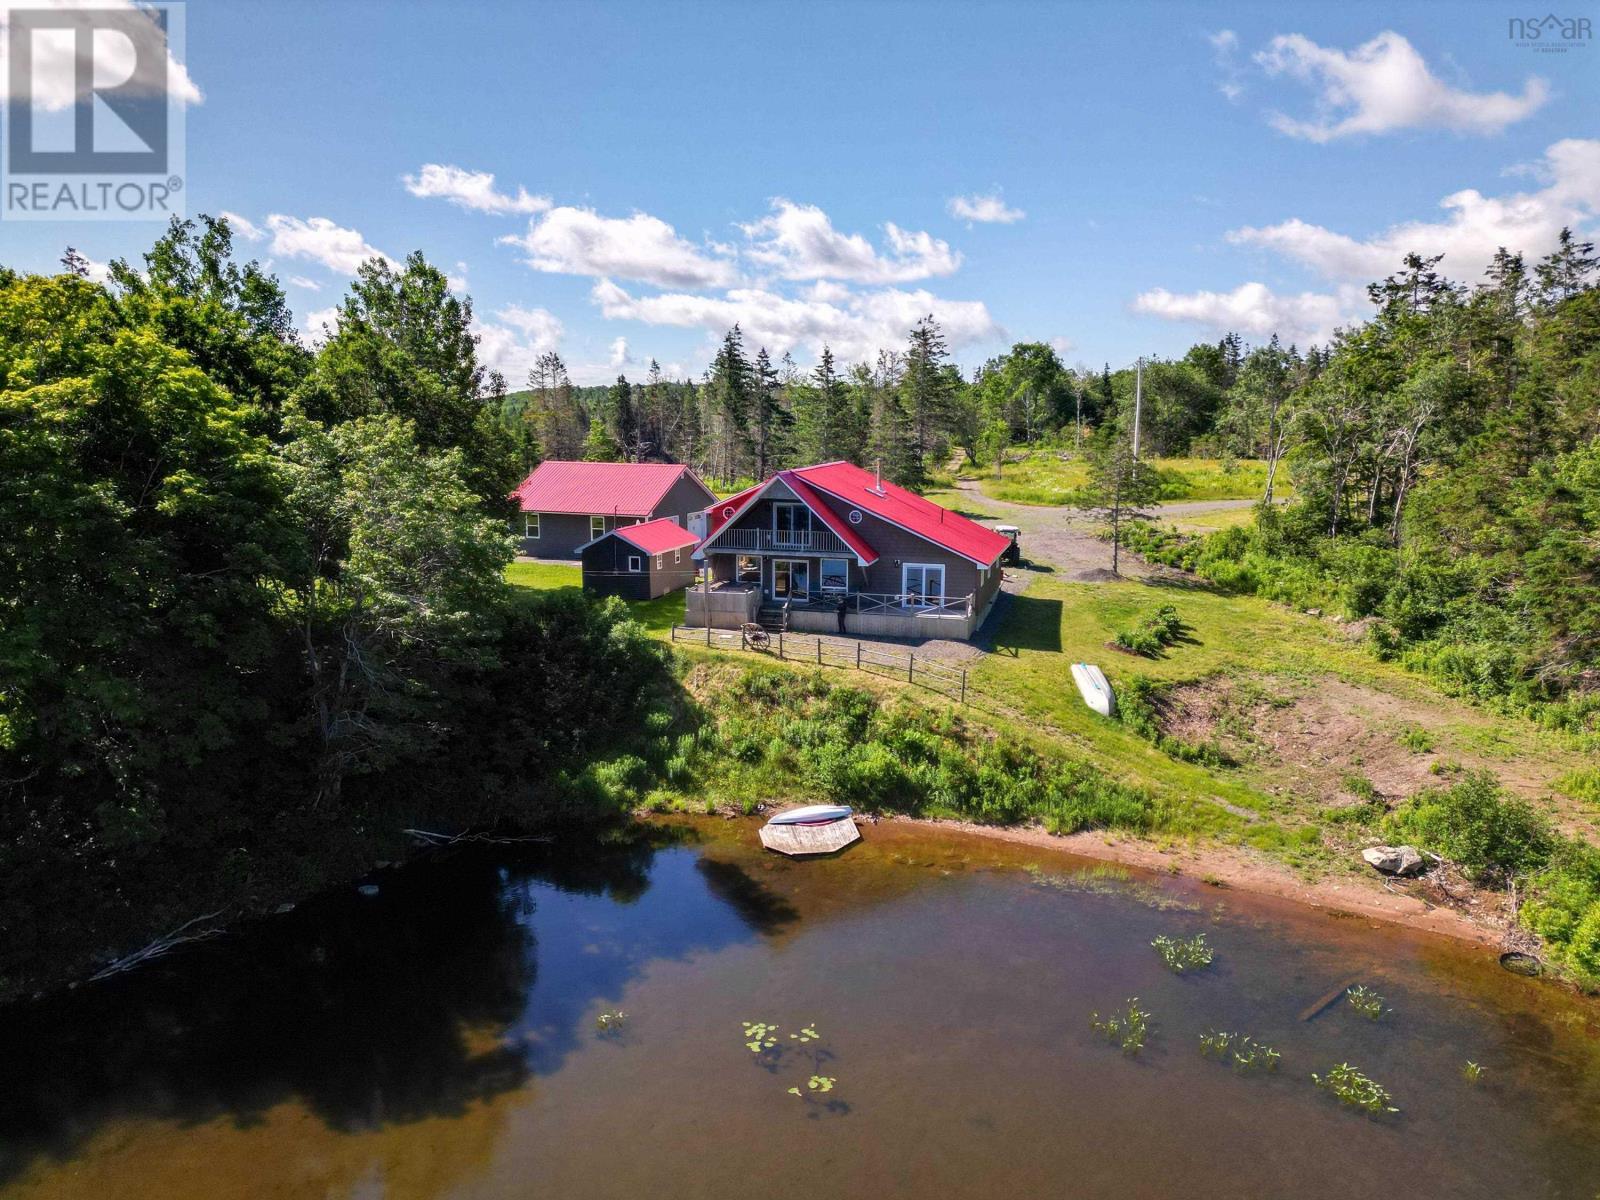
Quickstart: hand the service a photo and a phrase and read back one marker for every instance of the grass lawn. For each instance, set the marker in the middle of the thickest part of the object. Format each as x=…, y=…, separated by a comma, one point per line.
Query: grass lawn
x=1055, y=624
x=1209, y=522
x=658, y=615
x=1024, y=691
x=1045, y=477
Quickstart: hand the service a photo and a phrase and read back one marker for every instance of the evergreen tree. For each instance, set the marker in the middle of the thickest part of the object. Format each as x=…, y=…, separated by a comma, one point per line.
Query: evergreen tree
x=926, y=389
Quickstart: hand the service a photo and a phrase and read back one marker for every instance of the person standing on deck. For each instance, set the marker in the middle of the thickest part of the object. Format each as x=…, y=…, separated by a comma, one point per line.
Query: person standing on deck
x=843, y=604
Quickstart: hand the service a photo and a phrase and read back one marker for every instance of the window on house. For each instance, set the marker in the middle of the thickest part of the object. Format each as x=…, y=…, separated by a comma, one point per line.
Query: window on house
x=597, y=527
x=677, y=556
x=747, y=569
x=530, y=525
x=835, y=575
x=635, y=563
x=658, y=562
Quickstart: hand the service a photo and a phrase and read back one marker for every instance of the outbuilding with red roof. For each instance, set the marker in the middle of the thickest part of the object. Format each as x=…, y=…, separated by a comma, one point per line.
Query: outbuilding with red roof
x=834, y=547
x=562, y=505
x=639, y=562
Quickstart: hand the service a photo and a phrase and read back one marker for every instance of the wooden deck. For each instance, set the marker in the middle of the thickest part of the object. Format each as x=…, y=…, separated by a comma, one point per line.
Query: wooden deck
x=798, y=840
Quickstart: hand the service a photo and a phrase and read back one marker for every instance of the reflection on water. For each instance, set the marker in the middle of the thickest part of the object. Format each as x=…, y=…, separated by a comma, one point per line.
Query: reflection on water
x=439, y=1040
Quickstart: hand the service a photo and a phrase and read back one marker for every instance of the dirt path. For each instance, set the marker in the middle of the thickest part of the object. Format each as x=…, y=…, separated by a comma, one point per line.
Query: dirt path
x=1062, y=541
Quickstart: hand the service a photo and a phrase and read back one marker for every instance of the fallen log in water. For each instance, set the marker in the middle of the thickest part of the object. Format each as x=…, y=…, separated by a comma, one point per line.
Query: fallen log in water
x=1323, y=1003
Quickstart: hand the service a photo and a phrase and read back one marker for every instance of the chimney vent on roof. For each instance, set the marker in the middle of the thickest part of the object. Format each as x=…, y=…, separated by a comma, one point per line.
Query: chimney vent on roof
x=877, y=485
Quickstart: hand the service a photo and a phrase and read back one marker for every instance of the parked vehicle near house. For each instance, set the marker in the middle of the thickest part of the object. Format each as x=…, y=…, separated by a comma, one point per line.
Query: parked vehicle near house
x=639, y=562
x=563, y=506
x=807, y=537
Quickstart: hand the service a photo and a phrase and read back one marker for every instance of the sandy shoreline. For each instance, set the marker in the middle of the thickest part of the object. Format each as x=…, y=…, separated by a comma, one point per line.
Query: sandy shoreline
x=1231, y=868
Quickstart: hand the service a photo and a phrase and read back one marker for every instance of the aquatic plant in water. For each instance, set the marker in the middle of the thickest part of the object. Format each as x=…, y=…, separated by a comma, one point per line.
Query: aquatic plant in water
x=1241, y=1049
x=1184, y=954
x=1472, y=1072
x=807, y=1034
x=1367, y=1002
x=817, y=1083
x=1356, y=1090
x=610, y=1022
x=759, y=1036
x=1126, y=1029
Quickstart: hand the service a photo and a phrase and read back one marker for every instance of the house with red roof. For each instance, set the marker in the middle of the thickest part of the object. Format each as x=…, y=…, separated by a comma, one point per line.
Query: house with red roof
x=639, y=562
x=834, y=547
x=563, y=506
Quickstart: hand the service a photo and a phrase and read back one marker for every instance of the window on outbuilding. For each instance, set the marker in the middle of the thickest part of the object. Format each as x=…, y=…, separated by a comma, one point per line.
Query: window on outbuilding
x=677, y=556
x=530, y=525
x=597, y=527
x=658, y=562
x=835, y=575
x=635, y=563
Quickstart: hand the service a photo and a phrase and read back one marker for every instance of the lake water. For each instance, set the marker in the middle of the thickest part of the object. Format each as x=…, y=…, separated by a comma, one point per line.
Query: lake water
x=440, y=1040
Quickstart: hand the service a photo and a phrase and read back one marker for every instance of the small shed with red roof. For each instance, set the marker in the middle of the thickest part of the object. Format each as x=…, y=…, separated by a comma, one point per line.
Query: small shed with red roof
x=639, y=562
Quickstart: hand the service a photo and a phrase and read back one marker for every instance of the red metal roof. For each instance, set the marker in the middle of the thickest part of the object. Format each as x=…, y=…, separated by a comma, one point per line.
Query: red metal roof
x=617, y=489
x=655, y=537
x=939, y=525
x=842, y=529
x=726, y=510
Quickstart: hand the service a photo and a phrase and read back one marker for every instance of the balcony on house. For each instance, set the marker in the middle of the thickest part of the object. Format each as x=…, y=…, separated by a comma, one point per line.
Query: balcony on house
x=760, y=540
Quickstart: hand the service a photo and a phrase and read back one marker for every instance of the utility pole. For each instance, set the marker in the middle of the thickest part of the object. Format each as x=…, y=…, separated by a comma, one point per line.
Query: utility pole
x=1077, y=395
x=1138, y=403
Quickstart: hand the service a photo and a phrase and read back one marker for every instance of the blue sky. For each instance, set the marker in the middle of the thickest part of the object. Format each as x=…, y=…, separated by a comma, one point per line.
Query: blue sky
x=1166, y=171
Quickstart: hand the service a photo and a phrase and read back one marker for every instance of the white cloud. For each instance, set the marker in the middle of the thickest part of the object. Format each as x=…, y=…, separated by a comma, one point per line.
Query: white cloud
x=1254, y=309
x=242, y=226
x=320, y=240
x=312, y=327
x=510, y=343
x=472, y=190
x=578, y=241
x=1385, y=85
x=990, y=209
x=311, y=285
x=856, y=326
x=53, y=86
x=619, y=353
x=1475, y=227
x=799, y=242
x=1062, y=346
x=1224, y=51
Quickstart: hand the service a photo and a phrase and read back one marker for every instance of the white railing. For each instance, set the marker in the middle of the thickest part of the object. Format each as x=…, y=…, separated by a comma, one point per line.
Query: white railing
x=911, y=602
x=777, y=541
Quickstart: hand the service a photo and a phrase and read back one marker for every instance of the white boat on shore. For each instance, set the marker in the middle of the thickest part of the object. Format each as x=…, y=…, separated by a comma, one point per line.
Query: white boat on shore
x=812, y=814
x=1094, y=688
x=815, y=829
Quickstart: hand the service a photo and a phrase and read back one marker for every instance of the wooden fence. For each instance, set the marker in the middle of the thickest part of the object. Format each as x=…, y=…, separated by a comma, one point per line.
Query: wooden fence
x=926, y=672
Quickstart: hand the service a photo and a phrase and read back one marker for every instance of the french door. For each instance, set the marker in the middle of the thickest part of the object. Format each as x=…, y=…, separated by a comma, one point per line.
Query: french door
x=791, y=525
x=791, y=578
x=922, y=584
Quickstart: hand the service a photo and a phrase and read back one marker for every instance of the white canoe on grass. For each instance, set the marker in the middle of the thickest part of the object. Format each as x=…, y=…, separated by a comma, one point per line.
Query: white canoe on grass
x=1094, y=689
x=811, y=814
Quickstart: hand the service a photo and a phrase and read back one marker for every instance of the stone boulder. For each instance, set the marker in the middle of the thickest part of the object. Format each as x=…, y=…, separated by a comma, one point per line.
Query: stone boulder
x=1394, y=860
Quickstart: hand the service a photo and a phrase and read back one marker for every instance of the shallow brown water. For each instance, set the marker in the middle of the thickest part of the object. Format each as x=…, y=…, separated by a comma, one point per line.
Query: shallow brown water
x=439, y=1040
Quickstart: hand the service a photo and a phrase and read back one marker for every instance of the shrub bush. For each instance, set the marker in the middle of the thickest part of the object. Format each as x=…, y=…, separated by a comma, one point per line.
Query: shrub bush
x=1475, y=823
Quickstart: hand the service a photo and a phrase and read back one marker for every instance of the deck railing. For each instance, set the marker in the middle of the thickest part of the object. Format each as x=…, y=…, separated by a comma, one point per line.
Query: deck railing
x=781, y=541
